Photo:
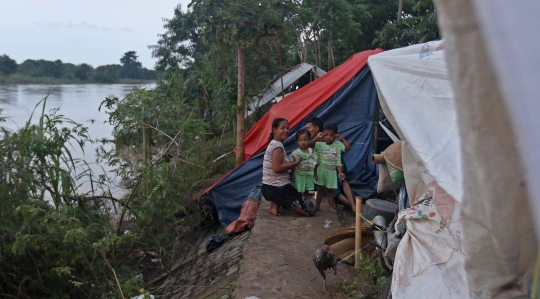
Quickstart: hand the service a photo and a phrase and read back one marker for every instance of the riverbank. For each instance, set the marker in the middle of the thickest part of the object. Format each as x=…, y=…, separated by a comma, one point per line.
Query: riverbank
x=18, y=79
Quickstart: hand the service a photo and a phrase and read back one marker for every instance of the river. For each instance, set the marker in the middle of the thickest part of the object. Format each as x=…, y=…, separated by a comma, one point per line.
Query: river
x=79, y=102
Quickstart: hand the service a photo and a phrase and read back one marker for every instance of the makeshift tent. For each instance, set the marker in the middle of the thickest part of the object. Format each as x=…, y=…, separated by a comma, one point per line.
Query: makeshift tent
x=416, y=96
x=345, y=96
x=281, y=84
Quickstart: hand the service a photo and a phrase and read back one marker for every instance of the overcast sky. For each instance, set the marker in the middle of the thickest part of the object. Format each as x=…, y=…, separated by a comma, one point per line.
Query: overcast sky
x=97, y=32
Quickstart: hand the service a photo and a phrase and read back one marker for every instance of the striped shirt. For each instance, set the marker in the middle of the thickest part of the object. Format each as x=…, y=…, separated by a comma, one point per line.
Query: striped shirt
x=308, y=161
x=269, y=176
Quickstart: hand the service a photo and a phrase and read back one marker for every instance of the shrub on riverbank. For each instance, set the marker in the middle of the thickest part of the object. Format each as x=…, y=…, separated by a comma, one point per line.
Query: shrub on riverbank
x=59, y=243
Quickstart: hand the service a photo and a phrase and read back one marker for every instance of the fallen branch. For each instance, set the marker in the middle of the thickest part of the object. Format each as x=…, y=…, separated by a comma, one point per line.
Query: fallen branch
x=222, y=156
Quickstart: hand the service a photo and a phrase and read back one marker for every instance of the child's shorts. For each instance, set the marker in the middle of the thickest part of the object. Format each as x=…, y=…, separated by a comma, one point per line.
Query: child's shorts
x=304, y=182
x=326, y=177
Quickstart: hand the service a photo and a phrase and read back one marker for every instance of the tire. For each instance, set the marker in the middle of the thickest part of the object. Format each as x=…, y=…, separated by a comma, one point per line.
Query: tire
x=381, y=207
x=387, y=288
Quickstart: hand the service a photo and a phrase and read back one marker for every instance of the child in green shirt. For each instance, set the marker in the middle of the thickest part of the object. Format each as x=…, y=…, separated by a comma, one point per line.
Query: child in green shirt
x=303, y=174
x=329, y=167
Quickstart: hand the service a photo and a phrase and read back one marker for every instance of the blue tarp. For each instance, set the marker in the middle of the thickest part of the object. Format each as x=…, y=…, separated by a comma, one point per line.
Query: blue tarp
x=353, y=108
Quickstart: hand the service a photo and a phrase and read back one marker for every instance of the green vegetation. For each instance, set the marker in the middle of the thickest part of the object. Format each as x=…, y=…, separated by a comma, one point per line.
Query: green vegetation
x=60, y=243
x=369, y=282
x=57, y=72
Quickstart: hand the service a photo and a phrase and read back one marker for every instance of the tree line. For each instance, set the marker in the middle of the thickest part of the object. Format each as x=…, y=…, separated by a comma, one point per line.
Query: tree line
x=129, y=68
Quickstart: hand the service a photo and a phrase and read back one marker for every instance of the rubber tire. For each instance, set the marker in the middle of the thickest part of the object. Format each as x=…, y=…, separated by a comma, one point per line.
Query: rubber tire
x=374, y=207
x=387, y=288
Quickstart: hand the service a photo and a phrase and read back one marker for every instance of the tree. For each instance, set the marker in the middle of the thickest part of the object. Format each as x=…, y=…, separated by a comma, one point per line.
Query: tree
x=130, y=65
x=55, y=69
x=178, y=45
x=107, y=73
x=8, y=66
x=83, y=71
x=418, y=24
x=68, y=70
x=241, y=24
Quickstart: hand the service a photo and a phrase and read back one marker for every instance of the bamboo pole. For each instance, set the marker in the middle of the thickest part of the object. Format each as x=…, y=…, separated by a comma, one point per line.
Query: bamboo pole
x=358, y=230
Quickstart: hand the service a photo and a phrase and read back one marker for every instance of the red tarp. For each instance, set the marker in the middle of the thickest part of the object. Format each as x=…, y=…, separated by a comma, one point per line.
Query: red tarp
x=302, y=102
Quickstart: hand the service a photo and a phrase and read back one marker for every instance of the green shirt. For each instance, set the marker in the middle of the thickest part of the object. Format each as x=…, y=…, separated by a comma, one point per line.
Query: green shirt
x=307, y=162
x=329, y=154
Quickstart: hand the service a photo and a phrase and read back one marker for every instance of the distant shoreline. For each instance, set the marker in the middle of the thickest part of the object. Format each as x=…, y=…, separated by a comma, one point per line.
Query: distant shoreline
x=55, y=81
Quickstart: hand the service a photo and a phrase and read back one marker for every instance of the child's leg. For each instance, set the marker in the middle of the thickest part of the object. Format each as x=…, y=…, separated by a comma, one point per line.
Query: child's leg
x=320, y=192
x=348, y=193
x=330, y=195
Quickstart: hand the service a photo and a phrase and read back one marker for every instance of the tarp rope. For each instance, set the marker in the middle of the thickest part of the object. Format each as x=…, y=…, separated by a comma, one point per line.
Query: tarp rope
x=371, y=242
x=372, y=225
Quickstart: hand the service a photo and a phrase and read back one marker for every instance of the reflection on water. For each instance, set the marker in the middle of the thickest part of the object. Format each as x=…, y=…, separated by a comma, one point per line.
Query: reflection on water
x=78, y=102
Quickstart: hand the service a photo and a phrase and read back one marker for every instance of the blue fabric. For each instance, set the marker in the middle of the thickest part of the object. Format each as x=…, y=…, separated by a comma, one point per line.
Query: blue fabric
x=353, y=108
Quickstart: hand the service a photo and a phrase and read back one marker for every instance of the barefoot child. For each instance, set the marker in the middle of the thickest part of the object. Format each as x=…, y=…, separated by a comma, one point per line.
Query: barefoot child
x=302, y=175
x=329, y=163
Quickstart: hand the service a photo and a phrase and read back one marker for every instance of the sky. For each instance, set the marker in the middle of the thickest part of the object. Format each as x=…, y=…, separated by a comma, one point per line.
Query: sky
x=96, y=32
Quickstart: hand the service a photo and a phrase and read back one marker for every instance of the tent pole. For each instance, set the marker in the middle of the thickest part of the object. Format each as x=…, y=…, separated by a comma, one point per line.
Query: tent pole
x=280, y=68
x=376, y=127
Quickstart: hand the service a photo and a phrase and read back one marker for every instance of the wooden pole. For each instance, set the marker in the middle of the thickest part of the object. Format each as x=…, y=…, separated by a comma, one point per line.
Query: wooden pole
x=241, y=109
x=358, y=230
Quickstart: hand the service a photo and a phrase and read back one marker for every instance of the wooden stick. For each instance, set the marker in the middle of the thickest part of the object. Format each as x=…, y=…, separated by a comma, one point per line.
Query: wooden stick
x=358, y=230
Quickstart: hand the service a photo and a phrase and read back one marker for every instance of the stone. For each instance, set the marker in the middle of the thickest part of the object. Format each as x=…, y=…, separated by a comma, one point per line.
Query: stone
x=232, y=270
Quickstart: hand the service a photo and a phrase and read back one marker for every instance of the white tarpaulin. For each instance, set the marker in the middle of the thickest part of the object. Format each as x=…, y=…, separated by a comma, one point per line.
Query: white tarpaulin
x=416, y=96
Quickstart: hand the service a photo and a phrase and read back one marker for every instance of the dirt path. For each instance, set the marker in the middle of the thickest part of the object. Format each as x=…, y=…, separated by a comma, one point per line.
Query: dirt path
x=277, y=262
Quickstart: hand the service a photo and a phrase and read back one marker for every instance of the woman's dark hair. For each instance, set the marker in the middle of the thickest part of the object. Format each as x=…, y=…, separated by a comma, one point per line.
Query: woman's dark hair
x=330, y=127
x=275, y=125
x=302, y=132
x=316, y=122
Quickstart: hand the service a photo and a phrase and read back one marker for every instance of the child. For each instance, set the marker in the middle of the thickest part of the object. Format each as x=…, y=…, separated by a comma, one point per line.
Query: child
x=302, y=175
x=328, y=161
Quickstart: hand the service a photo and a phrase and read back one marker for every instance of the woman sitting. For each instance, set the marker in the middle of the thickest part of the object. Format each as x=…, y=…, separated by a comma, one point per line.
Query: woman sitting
x=276, y=184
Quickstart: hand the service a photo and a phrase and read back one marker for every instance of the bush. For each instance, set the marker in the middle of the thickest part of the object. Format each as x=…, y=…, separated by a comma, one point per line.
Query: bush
x=369, y=281
x=56, y=243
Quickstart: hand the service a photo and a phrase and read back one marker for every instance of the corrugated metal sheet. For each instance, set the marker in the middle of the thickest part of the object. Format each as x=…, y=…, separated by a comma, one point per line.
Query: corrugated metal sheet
x=276, y=88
